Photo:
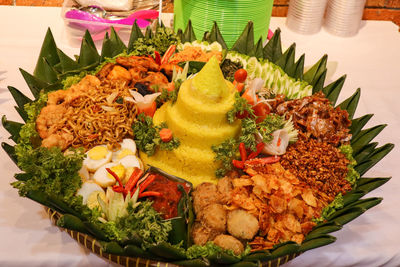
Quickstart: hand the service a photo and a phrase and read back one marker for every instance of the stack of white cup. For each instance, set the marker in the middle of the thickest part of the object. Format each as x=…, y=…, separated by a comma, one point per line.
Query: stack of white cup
x=342, y=17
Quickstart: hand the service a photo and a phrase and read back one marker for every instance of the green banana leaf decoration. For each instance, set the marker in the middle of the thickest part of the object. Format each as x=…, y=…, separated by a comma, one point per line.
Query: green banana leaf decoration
x=53, y=65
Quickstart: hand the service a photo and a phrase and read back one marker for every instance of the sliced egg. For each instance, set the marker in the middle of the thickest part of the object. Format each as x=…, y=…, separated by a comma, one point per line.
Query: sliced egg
x=84, y=173
x=104, y=178
x=93, y=202
x=96, y=157
x=128, y=147
x=87, y=189
x=130, y=161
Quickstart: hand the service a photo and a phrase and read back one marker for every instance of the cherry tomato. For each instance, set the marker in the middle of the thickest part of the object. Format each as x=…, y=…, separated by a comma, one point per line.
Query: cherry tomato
x=240, y=75
x=241, y=115
x=261, y=110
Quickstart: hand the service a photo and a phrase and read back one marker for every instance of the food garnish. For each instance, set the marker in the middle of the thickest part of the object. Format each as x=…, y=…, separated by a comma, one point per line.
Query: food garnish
x=270, y=157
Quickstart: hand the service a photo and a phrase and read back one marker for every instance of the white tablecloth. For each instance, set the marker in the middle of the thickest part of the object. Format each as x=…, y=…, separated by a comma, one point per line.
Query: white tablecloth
x=371, y=61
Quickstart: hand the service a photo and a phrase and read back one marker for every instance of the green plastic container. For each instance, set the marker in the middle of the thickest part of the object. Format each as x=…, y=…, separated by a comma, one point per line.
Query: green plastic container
x=231, y=15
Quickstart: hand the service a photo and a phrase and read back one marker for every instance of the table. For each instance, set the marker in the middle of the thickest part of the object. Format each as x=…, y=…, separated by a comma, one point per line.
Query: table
x=28, y=237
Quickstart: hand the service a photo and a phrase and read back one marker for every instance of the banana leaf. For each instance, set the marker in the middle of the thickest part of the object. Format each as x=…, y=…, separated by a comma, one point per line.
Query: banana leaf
x=286, y=249
x=112, y=46
x=219, y=258
x=321, y=231
x=135, y=251
x=374, y=158
x=272, y=51
x=246, y=264
x=313, y=74
x=19, y=97
x=245, y=43
x=22, y=176
x=34, y=84
x=67, y=64
x=352, y=196
x=12, y=127
x=148, y=33
x=88, y=54
x=216, y=36
x=333, y=89
x=22, y=113
x=299, y=68
x=367, y=203
x=357, y=124
x=72, y=222
x=46, y=72
x=350, y=104
x=258, y=49
x=112, y=248
x=346, y=215
x=317, y=242
x=263, y=255
x=364, y=153
x=136, y=33
x=166, y=251
x=10, y=150
x=286, y=61
x=369, y=184
x=48, y=52
x=365, y=136
x=188, y=35
x=193, y=263
x=318, y=85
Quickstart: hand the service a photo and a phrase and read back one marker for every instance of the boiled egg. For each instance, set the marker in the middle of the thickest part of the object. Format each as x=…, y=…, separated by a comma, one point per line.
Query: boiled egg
x=84, y=173
x=128, y=147
x=104, y=178
x=87, y=189
x=96, y=157
x=93, y=201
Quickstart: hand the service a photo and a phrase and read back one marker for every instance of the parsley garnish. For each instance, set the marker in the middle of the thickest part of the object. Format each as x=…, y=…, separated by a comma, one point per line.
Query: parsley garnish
x=240, y=107
x=269, y=125
x=225, y=152
x=147, y=136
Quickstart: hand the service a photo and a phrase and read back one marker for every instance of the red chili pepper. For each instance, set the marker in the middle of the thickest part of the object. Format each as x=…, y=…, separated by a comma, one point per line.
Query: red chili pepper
x=118, y=189
x=150, y=194
x=243, y=153
x=115, y=176
x=168, y=54
x=146, y=183
x=259, y=148
x=238, y=164
x=135, y=176
x=270, y=160
x=157, y=57
x=279, y=142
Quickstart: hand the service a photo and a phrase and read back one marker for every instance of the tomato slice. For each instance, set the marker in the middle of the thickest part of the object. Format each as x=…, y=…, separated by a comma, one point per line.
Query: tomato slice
x=261, y=110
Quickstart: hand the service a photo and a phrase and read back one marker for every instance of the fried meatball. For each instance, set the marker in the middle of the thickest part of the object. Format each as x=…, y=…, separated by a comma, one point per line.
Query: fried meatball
x=224, y=188
x=242, y=224
x=214, y=216
x=229, y=242
x=204, y=195
x=201, y=234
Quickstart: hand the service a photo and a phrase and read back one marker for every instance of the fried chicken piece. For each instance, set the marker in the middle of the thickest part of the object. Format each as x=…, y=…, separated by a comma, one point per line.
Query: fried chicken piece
x=119, y=73
x=133, y=61
x=228, y=242
x=105, y=70
x=155, y=79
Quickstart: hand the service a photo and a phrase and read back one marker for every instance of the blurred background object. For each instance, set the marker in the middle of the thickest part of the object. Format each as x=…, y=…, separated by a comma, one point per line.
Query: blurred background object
x=343, y=17
x=374, y=9
x=306, y=16
x=231, y=17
